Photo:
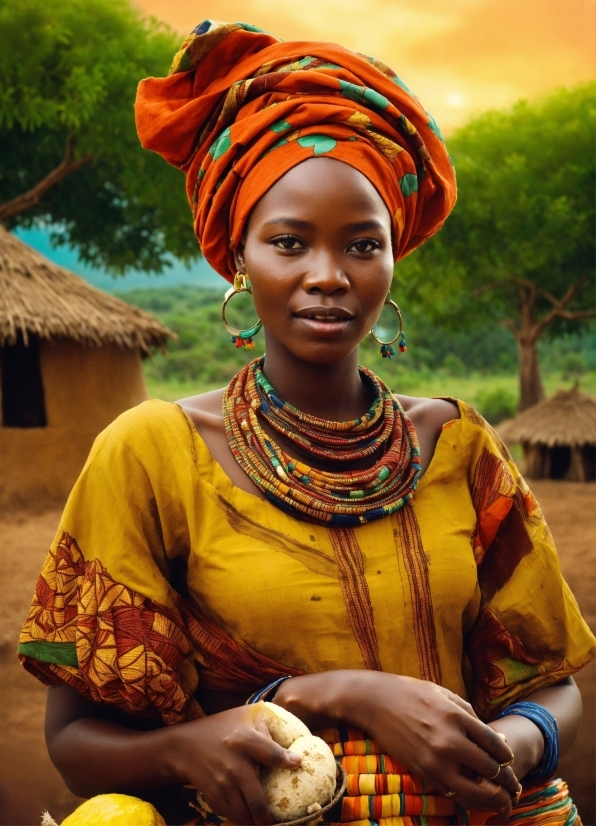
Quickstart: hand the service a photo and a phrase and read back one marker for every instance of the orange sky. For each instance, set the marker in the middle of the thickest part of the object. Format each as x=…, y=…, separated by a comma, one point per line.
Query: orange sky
x=459, y=56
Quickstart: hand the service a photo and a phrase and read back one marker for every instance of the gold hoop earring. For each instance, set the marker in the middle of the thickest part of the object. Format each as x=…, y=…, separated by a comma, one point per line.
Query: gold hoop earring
x=241, y=338
x=387, y=350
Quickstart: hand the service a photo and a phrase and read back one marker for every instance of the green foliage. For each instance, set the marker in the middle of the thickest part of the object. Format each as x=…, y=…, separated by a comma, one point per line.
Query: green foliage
x=69, y=71
x=436, y=363
x=454, y=365
x=496, y=404
x=203, y=352
x=572, y=365
x=525, y=212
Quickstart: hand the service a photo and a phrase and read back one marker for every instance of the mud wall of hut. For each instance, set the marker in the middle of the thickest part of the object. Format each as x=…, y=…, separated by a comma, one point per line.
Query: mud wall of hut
x=85, y=388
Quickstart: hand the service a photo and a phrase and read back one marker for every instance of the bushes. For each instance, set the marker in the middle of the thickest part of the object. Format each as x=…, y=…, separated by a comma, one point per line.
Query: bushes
x=435, y=361
x=496, y=404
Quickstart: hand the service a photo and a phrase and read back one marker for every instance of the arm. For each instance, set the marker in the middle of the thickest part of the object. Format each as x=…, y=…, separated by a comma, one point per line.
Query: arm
x=525, y=738
x=219, y=755
x=428, y=728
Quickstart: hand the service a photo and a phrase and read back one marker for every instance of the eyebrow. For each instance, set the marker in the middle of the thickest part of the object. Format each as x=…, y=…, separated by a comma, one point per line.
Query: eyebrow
x=358, y=226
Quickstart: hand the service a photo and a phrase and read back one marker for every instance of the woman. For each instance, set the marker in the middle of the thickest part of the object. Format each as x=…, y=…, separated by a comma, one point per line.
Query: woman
x=381, y=551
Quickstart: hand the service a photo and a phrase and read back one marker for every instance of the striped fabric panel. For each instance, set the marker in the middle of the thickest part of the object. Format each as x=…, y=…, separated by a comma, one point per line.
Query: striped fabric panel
x=381, y=792
x=375, y=807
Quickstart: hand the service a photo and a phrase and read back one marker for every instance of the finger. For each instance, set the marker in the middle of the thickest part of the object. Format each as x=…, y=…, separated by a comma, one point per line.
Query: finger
x=484, y=795
x=485, y=767
x=471, y=793
x=262, y=749
x=488, y=740
x=508, y=779
x=255, y=801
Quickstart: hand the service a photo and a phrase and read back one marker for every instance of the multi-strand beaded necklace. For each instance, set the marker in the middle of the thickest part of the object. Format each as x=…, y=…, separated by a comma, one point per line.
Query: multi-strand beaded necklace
x=346, y=498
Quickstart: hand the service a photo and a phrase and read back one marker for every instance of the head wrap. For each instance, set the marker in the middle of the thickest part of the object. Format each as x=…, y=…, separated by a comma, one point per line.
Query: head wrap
x=240, y=108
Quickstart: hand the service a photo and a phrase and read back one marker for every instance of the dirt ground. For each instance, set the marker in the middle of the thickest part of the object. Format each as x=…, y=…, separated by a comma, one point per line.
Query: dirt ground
x=28, y=781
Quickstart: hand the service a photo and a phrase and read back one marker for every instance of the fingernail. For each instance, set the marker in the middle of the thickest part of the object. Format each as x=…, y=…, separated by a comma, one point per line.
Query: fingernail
x=294, y=758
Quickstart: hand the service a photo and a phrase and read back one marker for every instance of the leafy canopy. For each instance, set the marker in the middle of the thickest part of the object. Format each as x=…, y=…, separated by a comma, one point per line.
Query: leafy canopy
x=70, y=70
x=524, y=215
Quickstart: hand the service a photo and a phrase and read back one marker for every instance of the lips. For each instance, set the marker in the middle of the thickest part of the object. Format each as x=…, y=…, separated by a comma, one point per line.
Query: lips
x=324, y=321
x=324, y=314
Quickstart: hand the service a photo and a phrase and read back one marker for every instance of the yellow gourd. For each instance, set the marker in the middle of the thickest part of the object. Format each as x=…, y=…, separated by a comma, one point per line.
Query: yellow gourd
x=111, y=810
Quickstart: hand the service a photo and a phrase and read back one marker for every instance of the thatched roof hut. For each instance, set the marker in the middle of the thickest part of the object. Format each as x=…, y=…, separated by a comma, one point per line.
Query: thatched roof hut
x=558, y=436
x=38, y=297
x=70, y=362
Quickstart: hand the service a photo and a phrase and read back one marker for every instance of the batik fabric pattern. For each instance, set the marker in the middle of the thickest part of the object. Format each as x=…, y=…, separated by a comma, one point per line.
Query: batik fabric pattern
x=164, y=574
x=240, y=108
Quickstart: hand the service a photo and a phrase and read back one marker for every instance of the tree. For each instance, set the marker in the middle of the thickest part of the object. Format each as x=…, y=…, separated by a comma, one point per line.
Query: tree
x=70, y=156
x=519, y=247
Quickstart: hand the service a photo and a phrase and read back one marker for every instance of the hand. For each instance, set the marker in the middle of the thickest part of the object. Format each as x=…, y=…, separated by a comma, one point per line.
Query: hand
x=527, y=743
x=439, y=737
x=525, y=740
x=221, y=756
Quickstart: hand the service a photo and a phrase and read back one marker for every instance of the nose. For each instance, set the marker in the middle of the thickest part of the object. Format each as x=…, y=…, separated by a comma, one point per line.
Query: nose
x=326, y=275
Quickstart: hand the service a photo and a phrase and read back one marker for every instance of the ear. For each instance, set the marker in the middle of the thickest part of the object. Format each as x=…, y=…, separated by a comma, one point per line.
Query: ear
x=239, y=256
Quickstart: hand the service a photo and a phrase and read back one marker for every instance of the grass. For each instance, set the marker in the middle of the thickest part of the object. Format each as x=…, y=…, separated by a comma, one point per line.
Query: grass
x=470, y=388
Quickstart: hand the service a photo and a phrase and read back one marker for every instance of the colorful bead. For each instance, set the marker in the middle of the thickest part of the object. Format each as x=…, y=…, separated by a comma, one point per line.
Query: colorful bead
x=345, y=498
x=247, y=343
x=387, y=351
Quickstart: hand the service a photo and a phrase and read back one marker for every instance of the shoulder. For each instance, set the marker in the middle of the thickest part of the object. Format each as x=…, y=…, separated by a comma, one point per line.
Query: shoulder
x=428, y=417
x=149, y=416
x=152, y=427
x=429, y=414
x=205, y=410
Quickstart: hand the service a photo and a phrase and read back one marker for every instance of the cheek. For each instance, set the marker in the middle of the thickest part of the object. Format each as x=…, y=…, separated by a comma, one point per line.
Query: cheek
x=270, y=297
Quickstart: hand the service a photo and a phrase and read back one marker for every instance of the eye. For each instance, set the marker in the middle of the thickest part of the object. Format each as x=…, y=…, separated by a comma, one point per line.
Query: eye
x=365, y=246
x=288, y=242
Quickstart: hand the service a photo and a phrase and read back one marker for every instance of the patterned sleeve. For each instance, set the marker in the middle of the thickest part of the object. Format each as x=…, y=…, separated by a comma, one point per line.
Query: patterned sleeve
x=529, y=633
x=104, y=617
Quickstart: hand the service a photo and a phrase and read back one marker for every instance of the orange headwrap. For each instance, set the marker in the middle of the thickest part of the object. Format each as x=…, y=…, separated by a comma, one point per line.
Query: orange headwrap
x=240, y=108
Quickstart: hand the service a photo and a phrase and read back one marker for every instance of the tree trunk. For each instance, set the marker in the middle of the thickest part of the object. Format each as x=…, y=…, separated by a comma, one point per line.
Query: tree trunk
x=531, y=390
x=28, y=199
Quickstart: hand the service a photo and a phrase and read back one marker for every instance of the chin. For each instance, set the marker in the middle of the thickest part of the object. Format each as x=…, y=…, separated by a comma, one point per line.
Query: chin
x=323, y=355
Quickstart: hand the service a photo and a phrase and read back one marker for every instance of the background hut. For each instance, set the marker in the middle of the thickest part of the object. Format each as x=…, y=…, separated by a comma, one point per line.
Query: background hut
x=558, y=436
x=70, y=362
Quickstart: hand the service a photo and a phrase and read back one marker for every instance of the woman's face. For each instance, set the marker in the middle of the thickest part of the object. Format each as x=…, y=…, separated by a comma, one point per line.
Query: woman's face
x=318, y=254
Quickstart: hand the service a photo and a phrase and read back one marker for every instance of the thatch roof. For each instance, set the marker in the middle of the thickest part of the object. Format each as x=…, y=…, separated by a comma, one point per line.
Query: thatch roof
x=39, y=297
x=567, y=418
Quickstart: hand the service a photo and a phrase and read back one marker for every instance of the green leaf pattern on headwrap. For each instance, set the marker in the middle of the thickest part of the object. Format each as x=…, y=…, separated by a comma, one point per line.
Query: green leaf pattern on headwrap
x=221, y=144
x=320, y=143
x=408, y=184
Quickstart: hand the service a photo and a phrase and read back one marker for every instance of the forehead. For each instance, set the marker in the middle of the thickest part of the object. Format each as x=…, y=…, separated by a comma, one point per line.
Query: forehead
x=322, y=186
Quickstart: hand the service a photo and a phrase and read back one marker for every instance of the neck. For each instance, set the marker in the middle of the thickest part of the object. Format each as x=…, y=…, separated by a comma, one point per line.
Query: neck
x=334, y=392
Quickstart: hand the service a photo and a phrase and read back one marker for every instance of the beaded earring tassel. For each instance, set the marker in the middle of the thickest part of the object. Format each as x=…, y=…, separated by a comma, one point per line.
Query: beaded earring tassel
x=402, y=343
x=387, y=351
x=247, y=343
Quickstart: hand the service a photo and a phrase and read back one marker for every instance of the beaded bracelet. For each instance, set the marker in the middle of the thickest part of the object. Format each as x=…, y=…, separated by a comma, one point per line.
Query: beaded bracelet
x=268, y=692
x=547, y=724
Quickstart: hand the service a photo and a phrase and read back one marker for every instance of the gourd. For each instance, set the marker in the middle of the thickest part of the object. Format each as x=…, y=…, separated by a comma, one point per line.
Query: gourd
x=290, y=793
x=295, y=793
x=111, y=810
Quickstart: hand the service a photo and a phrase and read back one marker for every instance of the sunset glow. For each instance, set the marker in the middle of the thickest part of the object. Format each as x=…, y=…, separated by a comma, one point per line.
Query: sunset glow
x=459, y=56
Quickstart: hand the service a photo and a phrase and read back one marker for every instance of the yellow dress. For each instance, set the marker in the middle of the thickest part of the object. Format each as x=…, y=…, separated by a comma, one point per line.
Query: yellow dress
x=163, y=573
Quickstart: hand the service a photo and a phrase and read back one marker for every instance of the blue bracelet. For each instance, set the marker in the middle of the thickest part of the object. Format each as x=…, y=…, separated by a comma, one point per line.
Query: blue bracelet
x=547, y=724
x=267, y=693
